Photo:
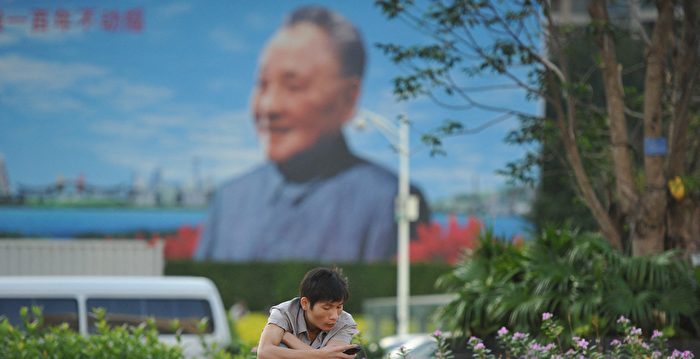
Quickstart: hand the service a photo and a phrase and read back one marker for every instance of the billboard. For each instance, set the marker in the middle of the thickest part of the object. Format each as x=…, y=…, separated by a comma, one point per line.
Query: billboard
x=229, y=123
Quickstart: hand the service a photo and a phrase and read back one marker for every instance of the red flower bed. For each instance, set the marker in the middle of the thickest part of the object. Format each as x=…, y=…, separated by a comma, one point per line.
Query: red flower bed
x=182, y=243
x=435, y=244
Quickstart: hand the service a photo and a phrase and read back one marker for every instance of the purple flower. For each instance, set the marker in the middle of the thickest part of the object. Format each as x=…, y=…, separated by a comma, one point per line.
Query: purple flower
x=581, y=343
x=546, y=316
x=519, y=335
x=536, y=347
x=657, y=334
x=636, y=331
x=656, y=354
x=622, y=320
x=615, y=343
x=479, y=346
x=503, y=331
x=473, y=340
x=437, y=333
x=679, y=354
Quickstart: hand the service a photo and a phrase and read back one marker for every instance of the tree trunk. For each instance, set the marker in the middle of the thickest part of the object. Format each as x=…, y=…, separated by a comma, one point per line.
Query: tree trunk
x=649, y=223
x=685, y=80
x=684, y=225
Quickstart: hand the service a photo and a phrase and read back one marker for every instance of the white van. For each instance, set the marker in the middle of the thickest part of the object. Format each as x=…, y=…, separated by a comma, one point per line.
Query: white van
x=127, y=300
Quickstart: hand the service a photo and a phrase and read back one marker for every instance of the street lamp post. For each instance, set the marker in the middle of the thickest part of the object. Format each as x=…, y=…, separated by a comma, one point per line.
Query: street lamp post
x=406, y=208
x=403, y=269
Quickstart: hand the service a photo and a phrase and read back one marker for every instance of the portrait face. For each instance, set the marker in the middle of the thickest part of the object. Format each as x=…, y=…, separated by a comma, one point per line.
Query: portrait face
x=323, y=315
x=300, y=95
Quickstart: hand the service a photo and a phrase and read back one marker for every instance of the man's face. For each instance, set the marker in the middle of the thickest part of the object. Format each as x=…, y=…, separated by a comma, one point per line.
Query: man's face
x=322, y=315
x=300, y=94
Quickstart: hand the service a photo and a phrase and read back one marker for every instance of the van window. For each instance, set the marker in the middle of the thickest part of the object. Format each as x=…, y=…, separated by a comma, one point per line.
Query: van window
x=135, y=311
x=55, y=310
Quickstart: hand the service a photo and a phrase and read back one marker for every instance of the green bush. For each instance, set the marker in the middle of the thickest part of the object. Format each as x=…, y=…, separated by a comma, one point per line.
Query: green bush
x=34, y=340
x=262, y=285
x=576, y=276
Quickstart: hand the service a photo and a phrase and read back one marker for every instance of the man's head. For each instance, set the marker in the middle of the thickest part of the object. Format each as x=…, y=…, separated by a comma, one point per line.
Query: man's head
x=323, y=292
x=308, y=82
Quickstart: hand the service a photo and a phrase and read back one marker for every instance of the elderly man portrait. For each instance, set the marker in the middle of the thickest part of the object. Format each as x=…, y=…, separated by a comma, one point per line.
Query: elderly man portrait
x=312, y=199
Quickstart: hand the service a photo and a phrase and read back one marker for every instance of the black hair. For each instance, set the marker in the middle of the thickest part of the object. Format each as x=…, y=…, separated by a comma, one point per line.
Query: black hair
x=324, y=284
x=343, y=34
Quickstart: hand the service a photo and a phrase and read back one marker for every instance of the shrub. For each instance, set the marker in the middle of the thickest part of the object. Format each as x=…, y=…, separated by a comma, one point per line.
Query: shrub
x=576, y=276
x=520, y=345
x=32, y=339
x=250, y=326
x=36, y=341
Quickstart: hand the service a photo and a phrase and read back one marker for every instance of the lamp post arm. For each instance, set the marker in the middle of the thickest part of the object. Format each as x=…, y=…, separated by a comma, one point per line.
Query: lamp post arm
x=387, y=128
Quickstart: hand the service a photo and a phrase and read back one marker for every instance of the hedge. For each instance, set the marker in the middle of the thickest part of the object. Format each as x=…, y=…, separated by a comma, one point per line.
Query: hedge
x=262, y=284
x=32, y=339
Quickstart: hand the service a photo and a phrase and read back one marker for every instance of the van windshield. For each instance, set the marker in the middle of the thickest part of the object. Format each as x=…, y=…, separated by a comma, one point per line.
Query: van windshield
x=132, y=312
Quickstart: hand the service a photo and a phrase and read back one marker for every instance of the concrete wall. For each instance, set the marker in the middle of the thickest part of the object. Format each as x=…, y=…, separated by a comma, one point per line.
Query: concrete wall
x=80, y=257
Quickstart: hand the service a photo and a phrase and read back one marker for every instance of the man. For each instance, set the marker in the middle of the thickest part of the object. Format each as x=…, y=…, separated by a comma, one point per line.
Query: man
x=312, y=325
x=313, y=199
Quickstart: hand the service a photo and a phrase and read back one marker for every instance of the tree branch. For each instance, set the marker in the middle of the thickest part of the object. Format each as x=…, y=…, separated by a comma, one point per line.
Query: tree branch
x=542, y=59
x=477, y=104
x=614, y=97
x=583, y=182
x=634, y=15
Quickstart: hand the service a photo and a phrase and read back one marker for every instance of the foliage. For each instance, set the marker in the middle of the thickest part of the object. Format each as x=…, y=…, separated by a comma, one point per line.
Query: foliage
x=483, y=283
x=607, y=85
x=33, y=340
x=632, y=345
x=263, y=284
x=442, y=350
x=576, y=276
x=249, y=327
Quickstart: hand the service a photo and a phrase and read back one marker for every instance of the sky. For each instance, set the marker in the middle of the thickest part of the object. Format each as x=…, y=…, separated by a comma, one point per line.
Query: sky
x=166, y=85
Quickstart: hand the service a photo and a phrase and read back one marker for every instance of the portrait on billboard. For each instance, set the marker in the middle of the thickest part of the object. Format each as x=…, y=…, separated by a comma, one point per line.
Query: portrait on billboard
x=312, y=198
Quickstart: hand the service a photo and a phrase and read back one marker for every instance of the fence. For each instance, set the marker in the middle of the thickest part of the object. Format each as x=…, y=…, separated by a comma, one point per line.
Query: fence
x=40, y=257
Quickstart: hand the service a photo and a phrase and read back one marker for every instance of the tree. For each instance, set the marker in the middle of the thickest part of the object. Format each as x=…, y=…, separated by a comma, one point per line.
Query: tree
x=614, y=149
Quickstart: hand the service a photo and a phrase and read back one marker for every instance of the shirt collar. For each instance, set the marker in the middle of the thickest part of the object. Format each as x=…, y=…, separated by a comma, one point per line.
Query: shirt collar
x=326, y=158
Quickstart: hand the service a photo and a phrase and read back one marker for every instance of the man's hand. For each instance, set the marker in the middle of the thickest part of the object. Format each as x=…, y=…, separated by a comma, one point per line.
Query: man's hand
x=337, y=351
